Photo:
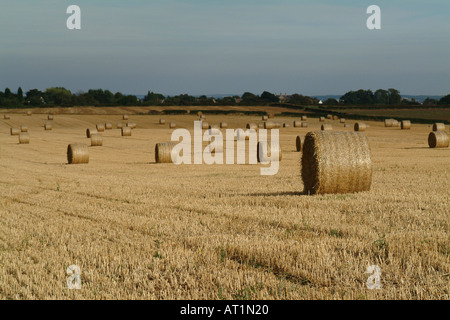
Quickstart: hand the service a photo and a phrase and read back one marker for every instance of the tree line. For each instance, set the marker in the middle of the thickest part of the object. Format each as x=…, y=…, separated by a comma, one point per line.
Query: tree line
x=58, y=96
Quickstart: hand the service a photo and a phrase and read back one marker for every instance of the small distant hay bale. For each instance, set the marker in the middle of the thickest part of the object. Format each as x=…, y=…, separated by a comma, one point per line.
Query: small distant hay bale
x=90, y=131
x=24, y=138
x=322, y=119
x=202, y=117
x=342, y=120
x=199, y=114
x=271, y=115
x=126, y=131
x=304, y=124
x=390, y=123
x=264, y=150
x=77, y=153
x=50, y=117
x=224, y=125
x=438, y=139
x=15, y=131
x=131, y=125
x=360, y=126
x=214, y=132
x=326, y=127
x=329, y=117
x=405, y=124
x=125, y=117
x=261, y=125
x=6, y=117
x=163, y=152
x=108, y=126
x=47, y=126
x=29, y=113
x=298, y=143
x=96, y=140
x=286, y=125
x=119, y=125
x=100, y=127
x=251, y=125
x=205, y=125
x=346, y=125
x=23, y=128
x=162, y=121
x=172, y=125
x=336, y=162
x=213, y=126
x=395, y=123
x=304, y=118
x=336, y=118
x=438, y=127
x=297, y=124
x=264, y=118
x=271, y=125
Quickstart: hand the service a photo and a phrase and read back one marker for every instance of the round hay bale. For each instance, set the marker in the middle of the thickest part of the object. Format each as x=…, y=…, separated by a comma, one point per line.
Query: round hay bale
x=224, y=125
x=360, y=126
x=286, y=125
x=261, y=125
x=298, y=143
x=438, y=139
x=346, y=125
x=162, y=121
x=77, y=153
x=47, y=126
x=6, y=117
x=251, y=125
x=163, y=152
x=172, y=125
x=15, y=131
x=29, y=113
x=438, y=127
x=297, y=124
x=264, y=118
x=322, y=119
x=205, y=125
x=342, y=120
x=271, y=125
x=96, y=140
x=131, y=125
x=202, y=117
x=336, y=162
x=23, y=128
x=329, y=116
x=125, y=117
x=126, y=131
x=395, y=123
x=119, y=125
x=326, y=127
x=264, y=150
x=108, y=126
x=390, y=123
x=336, y=118
x=50, y=117
x=405, y=124
x=90, y=131
x=199, y=114
x=304, y=124
x=100, y=127
x=24, y=138
x=271, y=115
x=304, y=118
x=213, y=126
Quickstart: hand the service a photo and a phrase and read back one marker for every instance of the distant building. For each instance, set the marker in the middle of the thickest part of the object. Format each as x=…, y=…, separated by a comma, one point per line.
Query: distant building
x=320, y=102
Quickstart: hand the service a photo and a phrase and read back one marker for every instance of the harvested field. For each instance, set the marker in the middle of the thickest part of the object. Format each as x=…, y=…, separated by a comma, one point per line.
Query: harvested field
x=141, y=230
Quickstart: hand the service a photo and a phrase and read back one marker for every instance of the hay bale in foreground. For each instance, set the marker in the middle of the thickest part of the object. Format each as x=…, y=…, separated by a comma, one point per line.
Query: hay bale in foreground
x=126, y=131
x=47, y=126
x=23, y=128
x=405, y=124
x=131, y=125
x=162, y=121
x=251, y=125
x=326, y=127
x=24, y=138
x=90, y=131
x=224, y=125
x=96, y=140
x=163, y=152
x=298, y=144
x=264, y=150
x=77, y=153
x=172, y=125
x=336, y=162
x=6, y=117
x=438, y=139
x=100, y=127
x=14, y=131
x=360, y=126
x=108, y=126
x=438, y=127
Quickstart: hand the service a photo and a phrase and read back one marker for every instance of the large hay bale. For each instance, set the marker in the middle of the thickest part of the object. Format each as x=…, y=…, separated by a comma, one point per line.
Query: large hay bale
x=172, y=125
x=108, y=126
x=163, y=152
x=47, y=126
x=6, y=117
x=125, y=117
x=23, y=128
x=24, y=138
x=264, y=150
x=96, y=140
x=224, y=125
x=298, y=144
x=131, y=125
x=297, y=124
x=205, y=125
x=162, y=121
x=50, y=117
x=326, y=127
x=251, y=125
x=271, y=125
x=405, y=124
x=438, y=127
x=90, y=131
x=119, y=125
x=360, y=126
x=100, y=127
x=14, y=131
x=438, y=139
x=77, y=153
x=264, y=118
x=126, y=131
x=336, y=162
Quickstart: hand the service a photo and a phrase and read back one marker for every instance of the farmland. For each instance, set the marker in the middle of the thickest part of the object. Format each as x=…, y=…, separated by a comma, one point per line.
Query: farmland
x=141, y=230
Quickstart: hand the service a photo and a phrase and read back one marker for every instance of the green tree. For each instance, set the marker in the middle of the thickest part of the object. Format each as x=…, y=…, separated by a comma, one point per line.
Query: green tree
x=394, y=96
x=445, y=100
x=381, y=96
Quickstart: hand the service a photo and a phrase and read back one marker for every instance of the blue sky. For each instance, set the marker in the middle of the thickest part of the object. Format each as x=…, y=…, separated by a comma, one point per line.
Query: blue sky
x=227, y=46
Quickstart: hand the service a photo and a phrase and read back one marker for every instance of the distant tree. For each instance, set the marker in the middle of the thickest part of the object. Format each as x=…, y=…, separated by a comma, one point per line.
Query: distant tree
x=331, y=102
x=153, y=99
x=445, y=100
x=381, y=96
x=58, y=96
x=430, y=102
x=249, y=99
x=34, y=97
x=394, y=96
x=268, y=97
x=20, y=94
x=301, y=99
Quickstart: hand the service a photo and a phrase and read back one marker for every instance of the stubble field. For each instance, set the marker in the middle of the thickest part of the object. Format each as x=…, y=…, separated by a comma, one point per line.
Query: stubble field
x=141, y=230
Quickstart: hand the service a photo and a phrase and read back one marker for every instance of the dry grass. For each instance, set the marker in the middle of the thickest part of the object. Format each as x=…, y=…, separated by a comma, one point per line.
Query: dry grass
x=144, y=231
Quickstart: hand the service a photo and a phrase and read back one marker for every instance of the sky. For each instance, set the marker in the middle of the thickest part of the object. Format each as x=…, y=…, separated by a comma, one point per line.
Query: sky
x=226, y=46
